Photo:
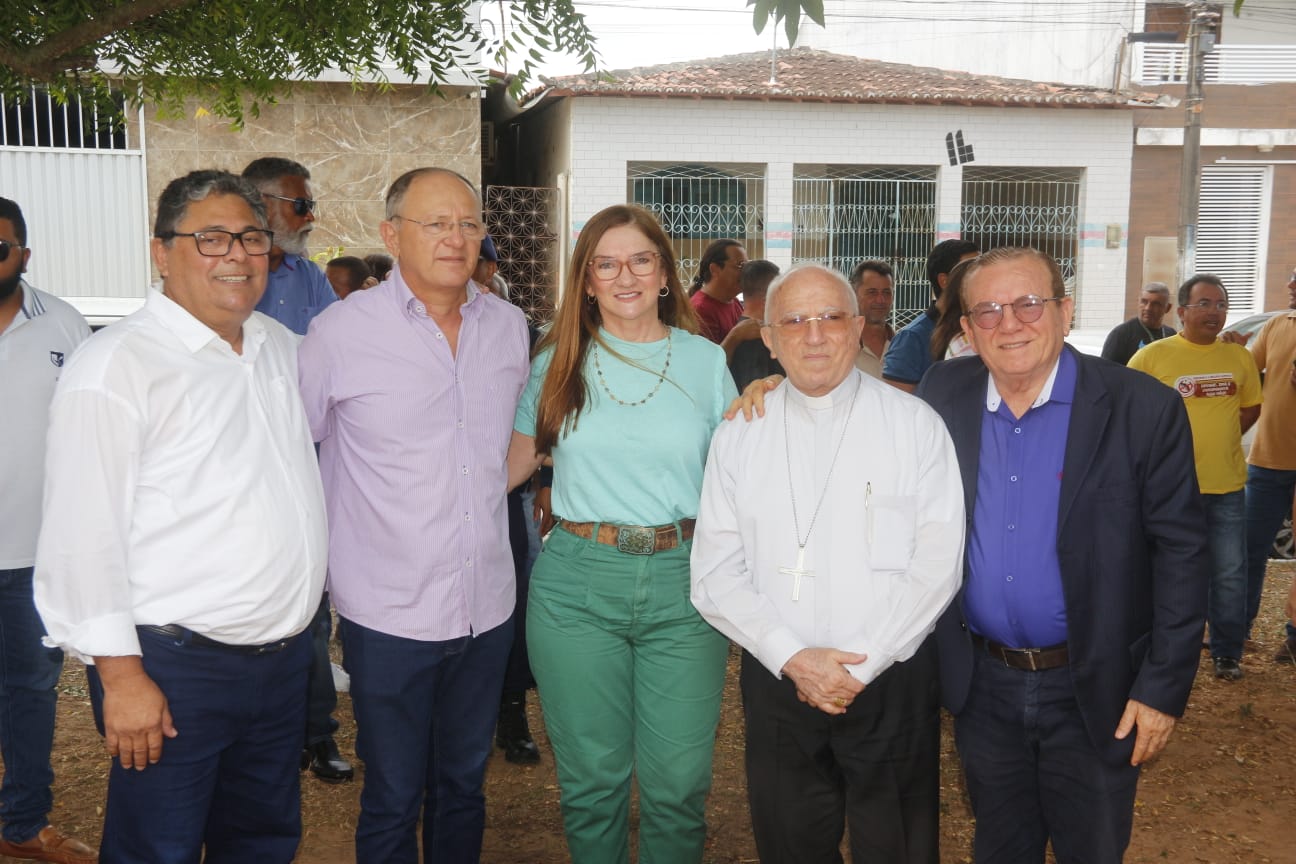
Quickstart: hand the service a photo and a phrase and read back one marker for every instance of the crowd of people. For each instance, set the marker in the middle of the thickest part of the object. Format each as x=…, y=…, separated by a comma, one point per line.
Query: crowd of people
x=965, y=513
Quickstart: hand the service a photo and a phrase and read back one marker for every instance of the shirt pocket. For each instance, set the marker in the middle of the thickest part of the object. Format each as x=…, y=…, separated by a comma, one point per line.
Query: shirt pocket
x=889, y=526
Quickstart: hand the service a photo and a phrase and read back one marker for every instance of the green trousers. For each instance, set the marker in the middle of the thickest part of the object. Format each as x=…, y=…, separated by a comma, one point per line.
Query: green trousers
x=630, y=679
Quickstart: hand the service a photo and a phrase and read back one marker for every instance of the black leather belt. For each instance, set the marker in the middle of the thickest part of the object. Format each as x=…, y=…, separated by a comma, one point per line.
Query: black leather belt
x=185, y=636
x=1029, y=659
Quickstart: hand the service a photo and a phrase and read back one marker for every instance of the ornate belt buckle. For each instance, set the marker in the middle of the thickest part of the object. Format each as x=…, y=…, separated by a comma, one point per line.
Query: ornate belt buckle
x=636, y=540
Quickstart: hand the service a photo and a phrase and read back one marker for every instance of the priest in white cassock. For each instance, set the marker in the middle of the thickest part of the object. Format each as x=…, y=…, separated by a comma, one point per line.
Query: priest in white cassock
x=829, y=540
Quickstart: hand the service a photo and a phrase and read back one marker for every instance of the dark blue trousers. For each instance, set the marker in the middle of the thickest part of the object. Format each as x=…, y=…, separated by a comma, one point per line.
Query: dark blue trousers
x=425, y=717
x=28, y=673
x=230, y=780
x=1034, y=775
x=321, y=695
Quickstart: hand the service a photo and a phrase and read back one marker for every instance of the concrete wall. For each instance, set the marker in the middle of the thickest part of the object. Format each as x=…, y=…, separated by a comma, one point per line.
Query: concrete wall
x=355, y=142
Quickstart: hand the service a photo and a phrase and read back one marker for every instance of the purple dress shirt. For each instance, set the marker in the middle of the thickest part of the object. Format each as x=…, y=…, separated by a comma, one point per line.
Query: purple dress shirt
x=413, y=445
x=1013, y=591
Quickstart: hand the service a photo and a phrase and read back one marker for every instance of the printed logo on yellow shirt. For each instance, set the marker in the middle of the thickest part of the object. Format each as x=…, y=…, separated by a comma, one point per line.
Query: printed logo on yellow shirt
x=1206, y=386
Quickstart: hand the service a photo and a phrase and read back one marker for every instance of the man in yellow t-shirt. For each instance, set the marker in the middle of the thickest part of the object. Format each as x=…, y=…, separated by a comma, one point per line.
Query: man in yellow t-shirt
x=1271, y=472
x=1220, y=386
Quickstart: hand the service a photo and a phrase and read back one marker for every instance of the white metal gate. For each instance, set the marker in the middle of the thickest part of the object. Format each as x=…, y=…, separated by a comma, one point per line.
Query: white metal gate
x=843, y=215
x=1232, y=232
x=80, y=183
x=698, y=204
x=1036, y=207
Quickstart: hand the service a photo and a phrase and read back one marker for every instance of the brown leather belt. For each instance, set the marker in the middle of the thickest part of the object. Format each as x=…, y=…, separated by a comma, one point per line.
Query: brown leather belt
x=1029, y=659
x=633, y=539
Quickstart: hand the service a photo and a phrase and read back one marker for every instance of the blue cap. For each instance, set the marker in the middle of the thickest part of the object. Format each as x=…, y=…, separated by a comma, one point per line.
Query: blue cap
x=488, y=250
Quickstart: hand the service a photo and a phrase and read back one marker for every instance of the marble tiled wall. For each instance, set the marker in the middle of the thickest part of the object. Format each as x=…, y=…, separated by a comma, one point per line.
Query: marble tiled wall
x=354, y=143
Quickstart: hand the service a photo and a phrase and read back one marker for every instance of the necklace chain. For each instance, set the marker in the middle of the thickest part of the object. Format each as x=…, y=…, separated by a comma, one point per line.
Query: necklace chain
x=787, y=452
x=661, y=376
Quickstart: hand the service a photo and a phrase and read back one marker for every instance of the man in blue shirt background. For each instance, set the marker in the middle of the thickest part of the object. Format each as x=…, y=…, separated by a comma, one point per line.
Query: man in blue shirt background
x=910, y=353
x=296, y=291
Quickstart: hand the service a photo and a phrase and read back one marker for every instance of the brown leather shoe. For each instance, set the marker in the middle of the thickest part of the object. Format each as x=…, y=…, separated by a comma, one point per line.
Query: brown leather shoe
x=50, y=845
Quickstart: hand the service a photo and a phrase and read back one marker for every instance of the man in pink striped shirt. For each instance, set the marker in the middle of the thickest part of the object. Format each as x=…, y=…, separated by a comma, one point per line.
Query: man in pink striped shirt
x=410, y=388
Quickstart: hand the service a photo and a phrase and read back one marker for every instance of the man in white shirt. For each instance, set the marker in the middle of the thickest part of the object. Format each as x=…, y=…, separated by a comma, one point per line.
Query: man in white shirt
x=38, y=332
x=183, y=547
x=829, y=540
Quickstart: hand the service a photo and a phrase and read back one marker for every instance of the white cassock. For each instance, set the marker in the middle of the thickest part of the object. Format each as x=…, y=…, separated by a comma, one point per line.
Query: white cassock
x=885, y=554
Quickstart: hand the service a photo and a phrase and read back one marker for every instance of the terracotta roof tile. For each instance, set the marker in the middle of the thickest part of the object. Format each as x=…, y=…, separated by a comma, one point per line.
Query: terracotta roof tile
x=808, y=75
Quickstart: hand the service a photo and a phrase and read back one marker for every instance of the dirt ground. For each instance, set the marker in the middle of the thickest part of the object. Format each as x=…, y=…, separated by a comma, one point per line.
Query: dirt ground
x=1222, y=792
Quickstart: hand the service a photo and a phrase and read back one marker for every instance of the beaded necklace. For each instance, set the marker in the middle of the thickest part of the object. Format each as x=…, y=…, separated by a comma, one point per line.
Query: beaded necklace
x=661, y=376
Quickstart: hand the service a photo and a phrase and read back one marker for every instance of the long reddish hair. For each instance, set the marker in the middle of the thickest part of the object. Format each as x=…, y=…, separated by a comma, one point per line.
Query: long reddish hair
x=576, y=323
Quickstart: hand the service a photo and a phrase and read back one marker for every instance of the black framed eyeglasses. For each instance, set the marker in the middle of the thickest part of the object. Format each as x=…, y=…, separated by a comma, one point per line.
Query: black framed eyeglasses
x=216, y=243
x=1028, y=310
x=301, y=206
x=5, y=246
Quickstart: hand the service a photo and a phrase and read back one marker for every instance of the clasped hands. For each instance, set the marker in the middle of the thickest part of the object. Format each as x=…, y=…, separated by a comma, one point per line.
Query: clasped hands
x=822, y=679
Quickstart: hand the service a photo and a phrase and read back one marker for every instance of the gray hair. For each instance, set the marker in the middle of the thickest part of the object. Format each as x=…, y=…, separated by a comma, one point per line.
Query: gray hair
x=268, y=169
x=396, y=193
x=1157, y=288
x=771, y=294
x=196, y=186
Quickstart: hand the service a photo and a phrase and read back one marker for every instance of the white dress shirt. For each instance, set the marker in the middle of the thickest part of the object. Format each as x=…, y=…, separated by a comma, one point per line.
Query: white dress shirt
x=181, y=488
x=886, y=550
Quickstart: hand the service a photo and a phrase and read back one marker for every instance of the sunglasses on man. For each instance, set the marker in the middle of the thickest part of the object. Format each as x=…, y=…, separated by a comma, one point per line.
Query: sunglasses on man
x=301, y=206
x=5, y=246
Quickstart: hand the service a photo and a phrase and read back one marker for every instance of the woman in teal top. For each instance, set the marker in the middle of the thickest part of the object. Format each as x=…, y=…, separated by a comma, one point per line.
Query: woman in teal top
x=624, y=396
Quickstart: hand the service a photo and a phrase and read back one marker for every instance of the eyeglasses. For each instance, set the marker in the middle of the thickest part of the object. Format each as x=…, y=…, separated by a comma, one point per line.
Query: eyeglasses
x=640, y=264
x=1207, y=305
x=301, y=206
x=436, y=230
x=830, y=321
x=216, y=244
x=1027, y=309
x=5, y=246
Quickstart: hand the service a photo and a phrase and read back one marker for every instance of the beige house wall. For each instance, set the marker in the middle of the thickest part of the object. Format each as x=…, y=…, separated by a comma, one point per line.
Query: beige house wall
x=355, y=143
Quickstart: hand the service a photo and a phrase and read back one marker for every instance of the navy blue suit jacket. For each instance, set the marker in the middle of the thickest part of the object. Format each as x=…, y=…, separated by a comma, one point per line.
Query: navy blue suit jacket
x=1131, y=541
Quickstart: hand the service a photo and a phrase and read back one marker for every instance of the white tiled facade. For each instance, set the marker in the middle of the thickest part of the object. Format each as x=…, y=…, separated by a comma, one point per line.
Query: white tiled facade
x=608, y=132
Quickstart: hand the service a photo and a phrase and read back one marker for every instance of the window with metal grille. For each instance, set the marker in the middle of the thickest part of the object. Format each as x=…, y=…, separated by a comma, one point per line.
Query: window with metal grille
x=1232, y=232
x=1036, y=207
x=699, y=203
x=40, y=120
x=845, y=214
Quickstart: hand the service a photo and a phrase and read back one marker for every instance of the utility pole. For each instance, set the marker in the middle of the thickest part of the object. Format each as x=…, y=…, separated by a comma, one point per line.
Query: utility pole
x=1199, y=45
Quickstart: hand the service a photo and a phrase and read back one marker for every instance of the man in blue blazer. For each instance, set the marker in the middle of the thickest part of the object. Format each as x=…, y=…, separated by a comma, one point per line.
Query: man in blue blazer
x=1075, y=639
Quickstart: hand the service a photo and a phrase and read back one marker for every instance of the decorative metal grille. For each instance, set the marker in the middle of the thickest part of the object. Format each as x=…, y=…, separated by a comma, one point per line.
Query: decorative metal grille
x=701, y=203
x=1037, y=207
x=845, y=214
x=38, y=120
x=520, y=220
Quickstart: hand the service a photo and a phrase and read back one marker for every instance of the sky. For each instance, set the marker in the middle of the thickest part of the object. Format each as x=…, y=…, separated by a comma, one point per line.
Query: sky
x=633, y=33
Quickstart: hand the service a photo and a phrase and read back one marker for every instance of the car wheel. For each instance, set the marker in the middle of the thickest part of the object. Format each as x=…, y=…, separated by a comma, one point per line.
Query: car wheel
x=1283, y=545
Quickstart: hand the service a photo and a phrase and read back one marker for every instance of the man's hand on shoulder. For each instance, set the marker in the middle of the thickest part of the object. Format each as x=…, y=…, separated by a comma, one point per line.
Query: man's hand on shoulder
x=1235, y=337
x=752, y=400
x=1154, y=730
x=135, y=713
x=822, y=680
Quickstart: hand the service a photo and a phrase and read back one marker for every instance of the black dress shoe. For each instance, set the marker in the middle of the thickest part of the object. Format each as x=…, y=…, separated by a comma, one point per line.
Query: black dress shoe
x=512, y=734
x=326, y=763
